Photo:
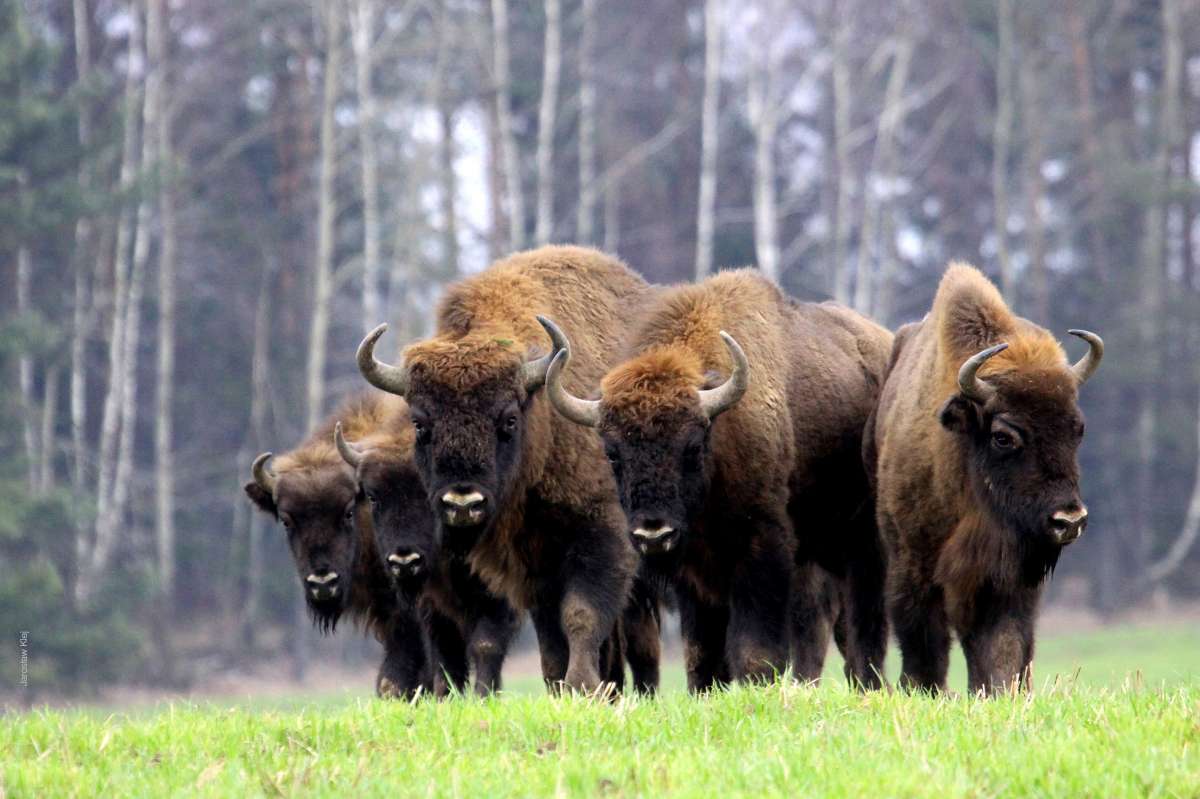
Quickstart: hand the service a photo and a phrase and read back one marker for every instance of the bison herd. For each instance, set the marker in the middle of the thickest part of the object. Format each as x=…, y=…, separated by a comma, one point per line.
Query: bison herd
x=582, y=446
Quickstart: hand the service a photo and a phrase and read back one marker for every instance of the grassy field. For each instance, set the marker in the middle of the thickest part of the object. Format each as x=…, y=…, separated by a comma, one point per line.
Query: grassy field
x=1094, y=728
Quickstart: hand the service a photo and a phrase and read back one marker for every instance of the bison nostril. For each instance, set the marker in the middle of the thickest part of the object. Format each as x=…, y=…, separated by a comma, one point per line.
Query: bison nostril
x=398, y=562
x=463, y=500
x=463, y=508
x=321, y=578
x=1068, y=525
x=652, y=530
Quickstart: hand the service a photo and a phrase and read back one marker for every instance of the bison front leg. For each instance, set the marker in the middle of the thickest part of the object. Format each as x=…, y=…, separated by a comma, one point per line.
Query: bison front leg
x=587, y=623
x=406, y=671
x=758, y=602
x=552, y=645
x=487, y=644
x=998, y=642
x=704, y=627
x=642, y=637
x=919, y=617
x=449, y=655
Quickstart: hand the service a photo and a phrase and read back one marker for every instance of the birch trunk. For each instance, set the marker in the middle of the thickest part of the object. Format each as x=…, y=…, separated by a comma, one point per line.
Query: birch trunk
x=326, y=210
x=508, y=138
x=1035, y=187
x=49, y=411
x=1153, y=269
x=883, y=166
x=93, y=556
x=842, y=99
x=764, y=117
x=612, y=215
x=363, y=37
x=25, y=361
x=83, y=235
x=547, y=115
x=1082, y=63
x=585, y=224
x=1001, y=141
x=447, y=176
x=164, y=435
x=707, y=201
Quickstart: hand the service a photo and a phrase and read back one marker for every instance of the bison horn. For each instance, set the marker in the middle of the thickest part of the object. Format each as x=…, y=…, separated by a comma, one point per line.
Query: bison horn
x=393, y=379
x=970, y=385
x=1086, y=366
x=262, y=473
x=535, y=370
x=714, y=401
x=350, y=453
x=580, y=411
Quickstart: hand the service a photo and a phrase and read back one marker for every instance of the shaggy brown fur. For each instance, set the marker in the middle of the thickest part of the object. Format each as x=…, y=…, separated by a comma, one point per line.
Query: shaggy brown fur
x=553, y=528
x=964, y=510
x=468, y=625
x=314, y=489
x=769, y=487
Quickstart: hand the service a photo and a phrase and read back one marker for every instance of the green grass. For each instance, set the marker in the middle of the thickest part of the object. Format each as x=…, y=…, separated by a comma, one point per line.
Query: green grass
x=1104, y=733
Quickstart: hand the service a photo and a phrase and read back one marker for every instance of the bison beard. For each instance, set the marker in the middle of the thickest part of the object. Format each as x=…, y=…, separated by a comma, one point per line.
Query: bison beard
x=311, y=492
x=524, y=496
x=974, y=450
x=733, y=498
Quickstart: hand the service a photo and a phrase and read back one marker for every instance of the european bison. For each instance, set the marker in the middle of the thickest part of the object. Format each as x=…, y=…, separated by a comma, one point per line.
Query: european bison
x=311, y=492
x=740, y=469
x=974, y=447
x=480, y=626
x=523, y=494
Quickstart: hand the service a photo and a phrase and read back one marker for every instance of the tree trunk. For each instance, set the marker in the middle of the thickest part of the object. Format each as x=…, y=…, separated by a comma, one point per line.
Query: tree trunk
x=25, y=360
x=547, y=114
x=612, y=215
x=585, y=225
x=49, y=412
x=447, y=176
x=764, y=117
x=883, y=165
x=363, y=37
x=1035, y=186
x=508, y=138
x=844, y=176
x=1001, y=140
x=709, y=124
x=326, y=214
x=80, y=326
x=164, y=456
x=1081, y=59
x=93, y=556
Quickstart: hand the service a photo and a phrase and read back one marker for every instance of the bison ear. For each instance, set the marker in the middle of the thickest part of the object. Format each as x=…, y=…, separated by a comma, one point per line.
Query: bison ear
x=958, y=415
x=260, y=497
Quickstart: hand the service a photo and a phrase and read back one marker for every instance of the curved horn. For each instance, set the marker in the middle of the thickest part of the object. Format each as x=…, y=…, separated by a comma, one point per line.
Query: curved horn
x=1086, y=366
x=714, y=401
x=393, y=379
x=350, y=453
x=580, y=411
x=535, y=370
x=262, y=473
x=968, y=383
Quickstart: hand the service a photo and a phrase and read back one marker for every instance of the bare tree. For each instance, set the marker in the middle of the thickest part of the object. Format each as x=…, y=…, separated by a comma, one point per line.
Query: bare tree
x=586, y=221
x=25, y=360
x=164, y=453
x=1034, y=154
x=443, y=100
x=326, y=213
x=80, y=322
x=1001, y=141
x=710, y=118
x=842, y=150
x=547, y=114
x=764, y=117
x=93, y=556
x=363, y=34
x=508, y=138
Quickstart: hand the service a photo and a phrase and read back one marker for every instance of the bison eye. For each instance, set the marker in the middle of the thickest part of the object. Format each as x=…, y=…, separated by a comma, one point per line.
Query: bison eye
x=1003, y=440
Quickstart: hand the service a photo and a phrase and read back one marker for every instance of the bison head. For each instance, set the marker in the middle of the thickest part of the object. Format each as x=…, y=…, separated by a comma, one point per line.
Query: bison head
x=470, y=401
x=1019, y=421
x=316, y=506
x=406, y=534
x=655, y=419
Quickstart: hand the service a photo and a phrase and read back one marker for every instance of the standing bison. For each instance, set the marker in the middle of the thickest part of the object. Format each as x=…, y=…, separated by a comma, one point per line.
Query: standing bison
x=470, y=626
x=311, y=492
x=974, y=447
x=524, y=495
x=737, y=458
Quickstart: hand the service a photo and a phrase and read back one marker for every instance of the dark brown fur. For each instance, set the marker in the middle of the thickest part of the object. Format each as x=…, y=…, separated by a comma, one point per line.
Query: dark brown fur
x=314, y=489
x=964, y=516
x=769, y=488
x=553, y=541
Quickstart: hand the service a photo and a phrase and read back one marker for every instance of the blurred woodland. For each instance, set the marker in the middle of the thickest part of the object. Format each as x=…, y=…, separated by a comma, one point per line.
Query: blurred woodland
x=204, y=205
